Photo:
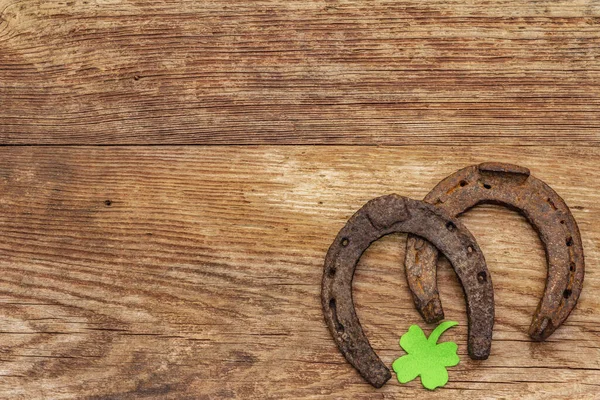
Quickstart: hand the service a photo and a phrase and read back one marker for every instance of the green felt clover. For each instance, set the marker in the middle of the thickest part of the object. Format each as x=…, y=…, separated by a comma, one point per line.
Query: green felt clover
x=426, y=358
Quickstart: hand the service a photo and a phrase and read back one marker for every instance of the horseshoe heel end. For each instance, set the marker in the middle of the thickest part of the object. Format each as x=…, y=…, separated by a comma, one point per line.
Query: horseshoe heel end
x=478, y=354
x=363, y=358
x=346, y=331
x=378, y=376
x=541, y=329
x=553, y=310
x=545, y=323
x=352, y=343
x=419, y=256
x=432, y=312
x=479, y=347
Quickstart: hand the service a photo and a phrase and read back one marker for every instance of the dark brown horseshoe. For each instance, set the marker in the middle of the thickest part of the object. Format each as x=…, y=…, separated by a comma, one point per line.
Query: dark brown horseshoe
x=511, y=186
x=380, y=217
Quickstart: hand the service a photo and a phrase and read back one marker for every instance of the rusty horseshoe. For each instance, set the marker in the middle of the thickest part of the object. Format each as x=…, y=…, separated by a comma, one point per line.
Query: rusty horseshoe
x=377, y=218
x=514, y=187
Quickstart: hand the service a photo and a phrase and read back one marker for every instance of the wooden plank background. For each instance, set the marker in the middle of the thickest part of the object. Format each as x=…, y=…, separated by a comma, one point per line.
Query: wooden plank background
x=299, y=71
x=165, y=213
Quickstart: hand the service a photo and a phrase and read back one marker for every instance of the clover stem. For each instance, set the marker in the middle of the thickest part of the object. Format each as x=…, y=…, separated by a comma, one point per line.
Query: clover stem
x=441, y=328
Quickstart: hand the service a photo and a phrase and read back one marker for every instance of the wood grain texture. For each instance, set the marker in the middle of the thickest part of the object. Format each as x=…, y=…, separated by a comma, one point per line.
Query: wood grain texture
x=299, y=72
x=178, y=272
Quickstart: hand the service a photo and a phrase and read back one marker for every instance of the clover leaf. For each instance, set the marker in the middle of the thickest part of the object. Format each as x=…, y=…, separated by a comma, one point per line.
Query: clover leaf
x=426, y=358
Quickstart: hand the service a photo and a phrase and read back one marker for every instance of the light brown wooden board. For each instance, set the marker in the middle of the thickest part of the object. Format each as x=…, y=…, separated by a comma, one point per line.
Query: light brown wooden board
x=201, y=279
x=297, y=71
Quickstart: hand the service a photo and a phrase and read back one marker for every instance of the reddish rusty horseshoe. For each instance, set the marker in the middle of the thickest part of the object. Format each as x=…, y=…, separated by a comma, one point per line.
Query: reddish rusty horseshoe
x=380, y=217
x=511, y=186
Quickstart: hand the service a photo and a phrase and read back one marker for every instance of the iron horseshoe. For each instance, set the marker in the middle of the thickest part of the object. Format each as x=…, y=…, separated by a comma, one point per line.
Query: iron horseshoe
x=511, y=186
x=380, y=217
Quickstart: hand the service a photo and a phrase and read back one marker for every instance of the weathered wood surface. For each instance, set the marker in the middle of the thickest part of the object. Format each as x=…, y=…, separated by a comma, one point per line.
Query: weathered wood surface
x=345, y=72
x=180, y=272
x=194, y=272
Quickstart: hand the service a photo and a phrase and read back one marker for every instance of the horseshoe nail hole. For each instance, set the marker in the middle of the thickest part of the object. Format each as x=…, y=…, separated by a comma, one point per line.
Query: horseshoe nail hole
x=482, y=277
x=108, y=203
x=572, y=266
x=567, y=293
x=332, y=306
x=345, y=242
x=450, y=225
x=419, y=243
x=562, y=221
x=331, y=272
x=487, y=186
x=463, y=183
x=570, y=241
x=549, y=200
x=470, y=250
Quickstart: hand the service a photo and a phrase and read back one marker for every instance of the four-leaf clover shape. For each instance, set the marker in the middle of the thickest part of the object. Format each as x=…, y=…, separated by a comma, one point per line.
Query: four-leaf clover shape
x=426, y=357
